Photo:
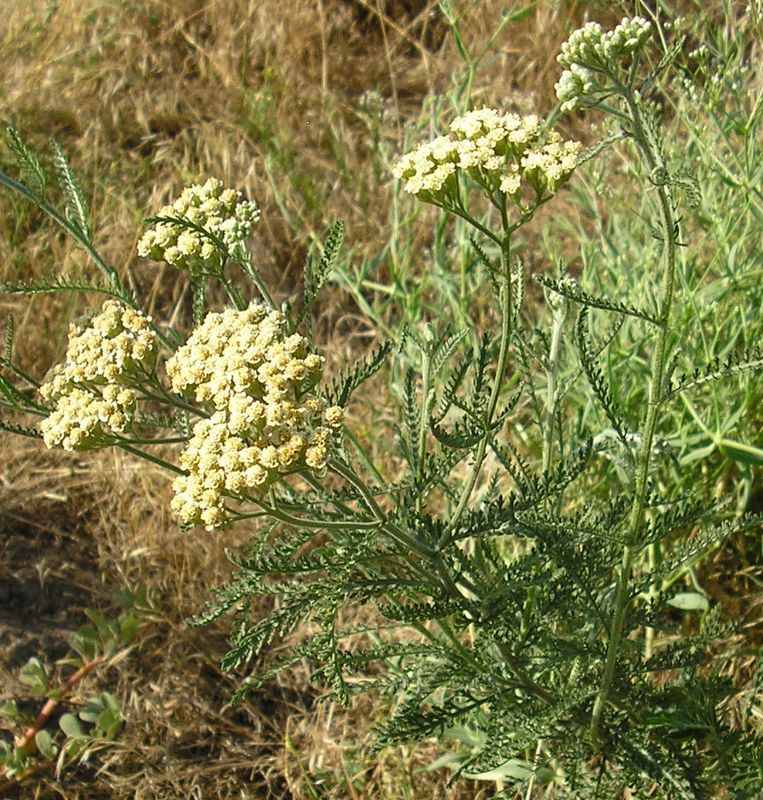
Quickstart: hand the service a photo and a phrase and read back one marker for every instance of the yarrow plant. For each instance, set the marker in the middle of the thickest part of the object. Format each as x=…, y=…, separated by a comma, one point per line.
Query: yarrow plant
x=514, y=608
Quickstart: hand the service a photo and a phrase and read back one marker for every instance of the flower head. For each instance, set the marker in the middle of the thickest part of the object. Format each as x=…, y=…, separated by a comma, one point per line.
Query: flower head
x=113, y=347
x=491, y=148
x=266, y=421
x=83, y=419
x=89, y=393
x=591, y=53
x=205, y=213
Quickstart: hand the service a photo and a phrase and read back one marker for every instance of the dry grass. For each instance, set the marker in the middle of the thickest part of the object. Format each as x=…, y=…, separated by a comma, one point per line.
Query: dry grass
x=146, y=96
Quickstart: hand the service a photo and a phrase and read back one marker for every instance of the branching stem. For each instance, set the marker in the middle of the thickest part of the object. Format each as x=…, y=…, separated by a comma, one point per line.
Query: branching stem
x=654, y=161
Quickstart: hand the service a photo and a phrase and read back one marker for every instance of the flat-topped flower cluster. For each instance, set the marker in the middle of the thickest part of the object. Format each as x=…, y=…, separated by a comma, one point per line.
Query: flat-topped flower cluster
x=266, y=423
x=211, y=212
x=592, y=54
x=500, y=152
x=90, y=394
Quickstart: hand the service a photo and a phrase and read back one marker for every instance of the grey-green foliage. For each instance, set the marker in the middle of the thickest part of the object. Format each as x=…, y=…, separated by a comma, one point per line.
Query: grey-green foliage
x=514, y=579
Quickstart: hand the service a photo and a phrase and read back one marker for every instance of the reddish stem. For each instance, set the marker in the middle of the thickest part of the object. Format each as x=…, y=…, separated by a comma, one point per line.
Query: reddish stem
x=27, y=742
x=36, y=769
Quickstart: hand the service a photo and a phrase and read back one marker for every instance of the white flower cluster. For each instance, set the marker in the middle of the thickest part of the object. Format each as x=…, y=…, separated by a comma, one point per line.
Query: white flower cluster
x=265, y=424
x=496, y=150
x=89, y=393
x=218, y=211
x=591, y=51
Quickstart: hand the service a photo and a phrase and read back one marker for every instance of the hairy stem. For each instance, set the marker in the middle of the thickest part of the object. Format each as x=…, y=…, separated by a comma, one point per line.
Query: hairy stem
x=559, y=309
x=503, y=356
x=653, y=159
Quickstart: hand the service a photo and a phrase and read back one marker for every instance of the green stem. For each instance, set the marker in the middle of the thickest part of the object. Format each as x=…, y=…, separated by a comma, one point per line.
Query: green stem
x=149, y=457
x=503, y=355
x=559, y=311
x=426, y=372
x=172, y=400
x=168, y=440
x=651, y=153
x=364, y=457
x=252, y=272
x=460, y=212
x=524, y=678
x=390, y=528
x=233, y=293
x=320, y=524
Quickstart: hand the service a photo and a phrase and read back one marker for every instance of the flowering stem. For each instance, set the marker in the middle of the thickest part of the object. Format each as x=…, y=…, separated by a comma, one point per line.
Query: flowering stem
x=150, y=457
x=503, y=354
x=652, y=156
x=252, y=272
x=172, y=400
x=460, y=212
x=390, y=528
x=322, y=524
x=168, y=440
x=233, y=293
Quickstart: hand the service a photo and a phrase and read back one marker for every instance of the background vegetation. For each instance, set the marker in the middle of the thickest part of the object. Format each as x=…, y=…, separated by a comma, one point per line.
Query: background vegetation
x=304, y=105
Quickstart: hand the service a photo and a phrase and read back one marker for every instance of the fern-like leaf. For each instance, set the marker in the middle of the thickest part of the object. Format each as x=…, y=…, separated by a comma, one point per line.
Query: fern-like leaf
x=66, y=283
x=596, y=379
x=735, y=364
x=10, y=331
x=27, y=162
x=444, y=349
x=19, y=430
x=349, y=381
x=568, y=287
x=74, y=200
x=316, y=275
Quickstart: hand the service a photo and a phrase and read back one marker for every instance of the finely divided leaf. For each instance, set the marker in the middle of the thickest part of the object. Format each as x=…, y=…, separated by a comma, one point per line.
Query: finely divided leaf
x=317, y=275
x=26, y=161
x=74, y=200
x=350, y=380
x=569, y=288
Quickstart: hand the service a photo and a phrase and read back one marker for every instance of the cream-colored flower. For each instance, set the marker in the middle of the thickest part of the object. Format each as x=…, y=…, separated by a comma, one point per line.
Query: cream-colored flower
x=81, y=419
x=89, y=393
x=221, y=215
x=500, y=152
x=591, y=54
x=115, y=346
x=266, y=423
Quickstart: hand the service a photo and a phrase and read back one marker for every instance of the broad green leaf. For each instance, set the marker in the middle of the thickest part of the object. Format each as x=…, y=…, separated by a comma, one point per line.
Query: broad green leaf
x=109, y=723
x=69, y=724
x=9, y=710
x=45, y=744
